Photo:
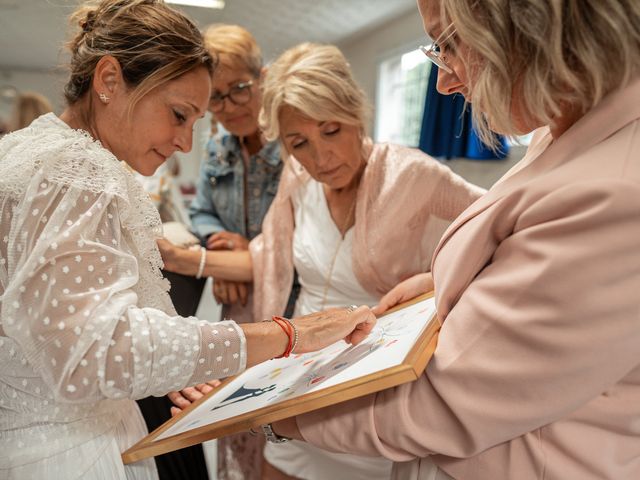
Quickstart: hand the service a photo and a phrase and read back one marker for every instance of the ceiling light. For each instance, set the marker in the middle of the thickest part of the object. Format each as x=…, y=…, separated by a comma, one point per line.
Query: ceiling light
x=199, y=3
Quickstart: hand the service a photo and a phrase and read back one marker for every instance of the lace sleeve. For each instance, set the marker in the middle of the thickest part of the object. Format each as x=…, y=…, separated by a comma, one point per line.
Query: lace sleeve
x=70, y=301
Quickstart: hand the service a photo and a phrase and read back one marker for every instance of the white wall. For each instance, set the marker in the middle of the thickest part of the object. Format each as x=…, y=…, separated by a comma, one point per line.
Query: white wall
x=190, y=162
x=365, y=52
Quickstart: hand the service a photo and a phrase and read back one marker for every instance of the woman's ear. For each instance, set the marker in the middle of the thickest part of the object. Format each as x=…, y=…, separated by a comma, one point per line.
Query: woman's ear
x=107, y=79
x=263, y=73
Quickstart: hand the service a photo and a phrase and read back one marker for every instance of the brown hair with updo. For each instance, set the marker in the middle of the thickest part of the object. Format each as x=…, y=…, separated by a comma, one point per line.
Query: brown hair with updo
x=153, y=43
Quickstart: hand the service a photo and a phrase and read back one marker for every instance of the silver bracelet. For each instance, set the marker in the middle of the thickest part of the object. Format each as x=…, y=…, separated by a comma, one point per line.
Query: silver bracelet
x=203, y=258
x=271, y=436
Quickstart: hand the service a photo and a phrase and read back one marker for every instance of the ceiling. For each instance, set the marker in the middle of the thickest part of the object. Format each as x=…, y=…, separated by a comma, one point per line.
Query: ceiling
x=32, y=32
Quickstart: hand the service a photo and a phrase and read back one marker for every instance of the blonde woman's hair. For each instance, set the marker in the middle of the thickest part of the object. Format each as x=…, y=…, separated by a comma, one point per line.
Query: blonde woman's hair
x=315, y=80
x=28, y=106
x=553, y=53
x=152, y=42
x=233, y=47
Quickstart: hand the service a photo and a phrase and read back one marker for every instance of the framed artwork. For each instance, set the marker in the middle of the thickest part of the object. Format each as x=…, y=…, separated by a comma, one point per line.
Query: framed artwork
x=396, y=352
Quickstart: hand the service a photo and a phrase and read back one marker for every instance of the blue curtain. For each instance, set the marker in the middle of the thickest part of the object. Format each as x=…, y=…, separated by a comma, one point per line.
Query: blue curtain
x=447, y=130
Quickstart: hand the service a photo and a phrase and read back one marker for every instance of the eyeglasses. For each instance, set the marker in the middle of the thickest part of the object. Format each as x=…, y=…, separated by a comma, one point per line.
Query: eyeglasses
x=239, y=94
x=434, y=52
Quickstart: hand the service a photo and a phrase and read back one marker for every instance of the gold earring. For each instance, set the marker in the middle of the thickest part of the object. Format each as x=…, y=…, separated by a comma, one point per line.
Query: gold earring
x=103, y=98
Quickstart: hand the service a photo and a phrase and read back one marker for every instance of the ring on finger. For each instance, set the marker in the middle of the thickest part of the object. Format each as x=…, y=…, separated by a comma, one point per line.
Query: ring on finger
x=352, y=308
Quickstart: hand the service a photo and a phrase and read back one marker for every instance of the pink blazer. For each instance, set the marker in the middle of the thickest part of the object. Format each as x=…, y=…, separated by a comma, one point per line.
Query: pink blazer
x=537, y=370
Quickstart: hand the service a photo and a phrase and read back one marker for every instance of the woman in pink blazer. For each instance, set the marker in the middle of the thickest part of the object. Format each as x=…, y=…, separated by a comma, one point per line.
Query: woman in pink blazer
x=537, y=370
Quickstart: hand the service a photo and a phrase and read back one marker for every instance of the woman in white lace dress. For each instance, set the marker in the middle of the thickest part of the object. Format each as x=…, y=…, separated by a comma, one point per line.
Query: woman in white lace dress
x=86, y=323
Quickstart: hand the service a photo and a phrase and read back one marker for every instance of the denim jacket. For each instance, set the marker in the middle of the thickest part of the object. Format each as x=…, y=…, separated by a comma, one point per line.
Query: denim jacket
x=220, y=195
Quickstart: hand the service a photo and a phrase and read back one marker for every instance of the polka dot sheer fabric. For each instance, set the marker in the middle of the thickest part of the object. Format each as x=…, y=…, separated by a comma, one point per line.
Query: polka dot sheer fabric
x=86, y=321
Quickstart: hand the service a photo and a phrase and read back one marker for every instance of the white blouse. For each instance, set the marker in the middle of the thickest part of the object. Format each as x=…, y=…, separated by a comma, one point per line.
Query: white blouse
x=86, y=323
x=316, y=241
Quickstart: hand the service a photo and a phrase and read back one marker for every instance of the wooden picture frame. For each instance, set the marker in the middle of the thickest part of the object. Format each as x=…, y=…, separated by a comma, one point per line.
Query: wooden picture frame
x=410, y=369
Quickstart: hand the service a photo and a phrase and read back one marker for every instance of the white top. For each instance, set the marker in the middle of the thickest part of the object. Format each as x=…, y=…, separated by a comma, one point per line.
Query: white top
x=86, y=323
x=316, y=239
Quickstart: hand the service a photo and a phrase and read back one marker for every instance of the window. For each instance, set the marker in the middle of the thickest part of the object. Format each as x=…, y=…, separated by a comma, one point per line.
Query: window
x=402, y=88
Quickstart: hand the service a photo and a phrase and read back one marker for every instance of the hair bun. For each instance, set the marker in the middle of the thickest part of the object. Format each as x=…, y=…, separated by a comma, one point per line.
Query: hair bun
x=89, y=22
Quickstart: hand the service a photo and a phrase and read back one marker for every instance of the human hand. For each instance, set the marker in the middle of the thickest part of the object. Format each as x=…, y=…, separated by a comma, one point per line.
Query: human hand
x=227, y=241
x=177, y=259
x=169, y=253
x=321, y=329
x=406, y=290
x=228, y=293
x=187, y=396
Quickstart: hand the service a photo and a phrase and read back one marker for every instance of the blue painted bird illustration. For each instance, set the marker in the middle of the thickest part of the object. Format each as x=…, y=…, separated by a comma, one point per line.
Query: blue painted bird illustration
x=243, y=394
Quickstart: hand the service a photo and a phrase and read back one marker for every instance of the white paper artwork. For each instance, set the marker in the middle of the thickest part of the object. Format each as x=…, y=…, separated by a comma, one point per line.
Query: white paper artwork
x=282, y=379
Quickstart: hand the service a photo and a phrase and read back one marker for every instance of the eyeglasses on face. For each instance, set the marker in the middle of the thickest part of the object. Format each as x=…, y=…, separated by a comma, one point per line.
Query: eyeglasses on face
x=239, y=94
x=434, y=51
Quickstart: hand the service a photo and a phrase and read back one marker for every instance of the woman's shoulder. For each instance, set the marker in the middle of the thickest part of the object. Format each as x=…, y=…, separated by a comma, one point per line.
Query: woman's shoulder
x=404, y=162
x=402, y=156
x=49, y=134
x=60, y=154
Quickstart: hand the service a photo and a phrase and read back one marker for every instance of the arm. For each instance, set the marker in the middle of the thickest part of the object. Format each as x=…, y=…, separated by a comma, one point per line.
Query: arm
x=315, y=331
x=265, y=340
x=405, y=291
x=558, y=301
x=452, y=194
x=224, y=264
x=73, y=306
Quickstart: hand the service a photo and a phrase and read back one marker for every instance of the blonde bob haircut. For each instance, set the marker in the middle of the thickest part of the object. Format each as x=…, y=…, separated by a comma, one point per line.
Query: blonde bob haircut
x=316, y=80
x=547, y=55
x=233, y=47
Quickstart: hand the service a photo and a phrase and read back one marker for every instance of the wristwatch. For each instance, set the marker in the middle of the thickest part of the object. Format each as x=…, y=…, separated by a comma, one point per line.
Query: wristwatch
x=271, y=436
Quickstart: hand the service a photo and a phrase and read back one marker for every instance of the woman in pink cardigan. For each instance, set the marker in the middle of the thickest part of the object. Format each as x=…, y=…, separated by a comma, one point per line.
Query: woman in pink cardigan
x=345, y=211
x=537, y=370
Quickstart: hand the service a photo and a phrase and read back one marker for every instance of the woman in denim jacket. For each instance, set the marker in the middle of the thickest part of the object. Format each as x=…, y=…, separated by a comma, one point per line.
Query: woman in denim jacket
x=237, y=184
x=240, y=176
x=225, y=183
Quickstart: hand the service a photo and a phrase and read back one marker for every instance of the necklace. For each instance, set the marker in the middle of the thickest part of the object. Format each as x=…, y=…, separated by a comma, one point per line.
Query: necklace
x=343, y=233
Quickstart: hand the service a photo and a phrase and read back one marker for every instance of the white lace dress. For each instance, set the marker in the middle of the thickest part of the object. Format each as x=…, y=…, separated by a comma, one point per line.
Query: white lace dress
x=86, y=324
x=316, y=240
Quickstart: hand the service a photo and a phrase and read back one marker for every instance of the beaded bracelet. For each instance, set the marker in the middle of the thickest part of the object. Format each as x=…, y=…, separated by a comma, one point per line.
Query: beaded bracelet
x=296, y=335
x=292, y=333
x=203, y=258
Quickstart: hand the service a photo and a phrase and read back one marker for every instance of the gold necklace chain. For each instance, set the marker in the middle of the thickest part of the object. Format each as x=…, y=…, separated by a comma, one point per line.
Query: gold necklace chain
x=327, y=282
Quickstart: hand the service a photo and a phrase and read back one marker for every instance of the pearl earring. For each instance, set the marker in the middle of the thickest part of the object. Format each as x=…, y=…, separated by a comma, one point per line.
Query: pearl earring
x=103, y=98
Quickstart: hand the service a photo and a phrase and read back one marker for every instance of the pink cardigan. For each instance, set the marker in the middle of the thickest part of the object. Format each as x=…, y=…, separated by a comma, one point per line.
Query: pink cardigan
x=537, y=370
x=405, y=201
